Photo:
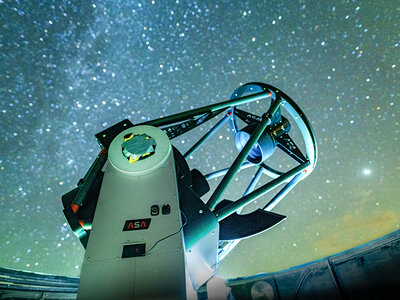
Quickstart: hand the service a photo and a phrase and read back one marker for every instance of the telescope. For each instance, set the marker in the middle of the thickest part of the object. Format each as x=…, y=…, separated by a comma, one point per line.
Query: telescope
x=151, y=226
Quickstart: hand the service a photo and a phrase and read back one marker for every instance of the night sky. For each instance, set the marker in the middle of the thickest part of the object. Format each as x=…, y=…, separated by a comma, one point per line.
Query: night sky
x=70, y=69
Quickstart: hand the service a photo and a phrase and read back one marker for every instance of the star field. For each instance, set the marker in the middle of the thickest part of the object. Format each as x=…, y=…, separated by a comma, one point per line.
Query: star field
x=68, y=70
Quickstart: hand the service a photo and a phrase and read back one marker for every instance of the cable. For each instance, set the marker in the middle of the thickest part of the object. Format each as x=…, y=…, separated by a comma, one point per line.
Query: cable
x=172, y=234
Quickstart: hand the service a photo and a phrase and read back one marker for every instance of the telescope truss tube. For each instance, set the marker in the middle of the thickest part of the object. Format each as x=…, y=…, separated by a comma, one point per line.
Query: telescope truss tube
x=259, y=92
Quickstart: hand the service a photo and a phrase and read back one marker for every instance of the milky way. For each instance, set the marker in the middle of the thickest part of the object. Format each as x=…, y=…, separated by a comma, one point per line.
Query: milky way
x=71, y=69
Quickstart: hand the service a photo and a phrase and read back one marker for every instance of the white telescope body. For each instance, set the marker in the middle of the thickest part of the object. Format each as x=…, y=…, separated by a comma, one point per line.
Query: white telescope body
x=133, y=252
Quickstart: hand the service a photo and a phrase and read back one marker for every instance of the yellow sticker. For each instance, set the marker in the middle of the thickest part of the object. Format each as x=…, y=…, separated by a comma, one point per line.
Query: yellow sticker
x=131, y=161
x=129, y=137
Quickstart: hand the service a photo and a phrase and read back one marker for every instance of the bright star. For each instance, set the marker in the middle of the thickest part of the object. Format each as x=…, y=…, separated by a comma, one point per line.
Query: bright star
x=366, y=171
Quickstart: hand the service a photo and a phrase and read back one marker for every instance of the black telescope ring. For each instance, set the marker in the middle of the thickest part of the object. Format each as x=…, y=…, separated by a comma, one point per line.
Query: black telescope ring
x=293, y=109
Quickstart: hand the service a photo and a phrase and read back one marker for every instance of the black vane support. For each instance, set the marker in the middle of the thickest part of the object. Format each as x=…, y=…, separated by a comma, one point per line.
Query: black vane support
x=246, y=116
x=287, y=145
